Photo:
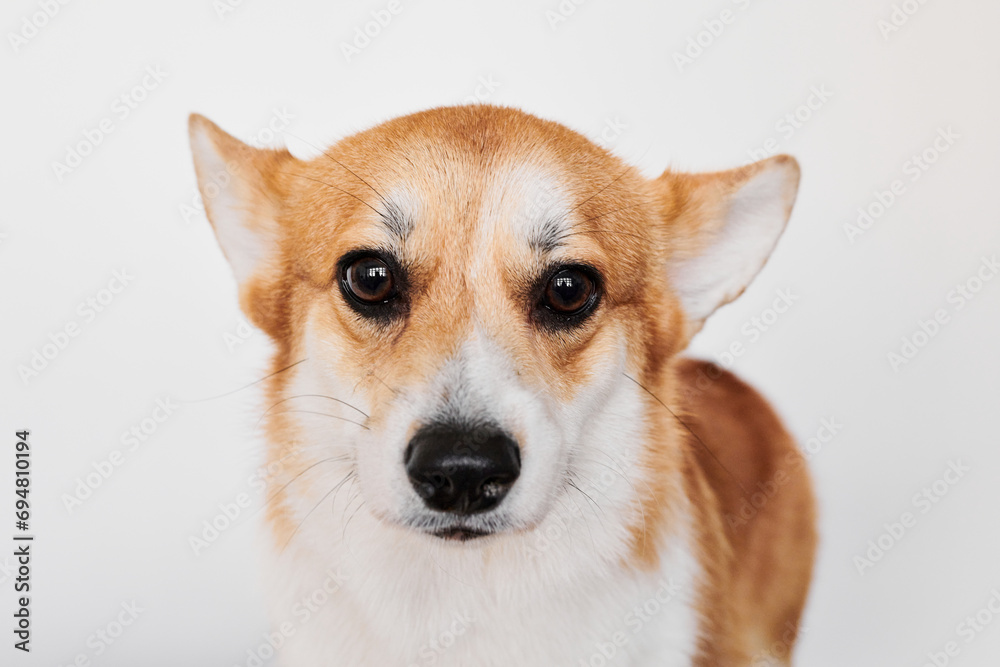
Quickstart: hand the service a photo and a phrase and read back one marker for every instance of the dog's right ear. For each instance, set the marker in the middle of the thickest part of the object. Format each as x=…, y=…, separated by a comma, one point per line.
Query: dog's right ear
x=241, y=187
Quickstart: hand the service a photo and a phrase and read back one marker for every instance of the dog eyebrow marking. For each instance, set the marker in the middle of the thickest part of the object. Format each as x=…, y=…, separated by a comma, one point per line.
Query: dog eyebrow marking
x=395, y=219
x=548, y=235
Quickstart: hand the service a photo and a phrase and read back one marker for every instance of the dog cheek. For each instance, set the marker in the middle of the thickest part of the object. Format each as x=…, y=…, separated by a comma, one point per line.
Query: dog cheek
x=374, y=481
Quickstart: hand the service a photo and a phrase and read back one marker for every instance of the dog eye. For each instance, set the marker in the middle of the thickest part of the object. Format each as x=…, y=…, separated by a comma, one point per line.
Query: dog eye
x=369, y=280
x=570, y=291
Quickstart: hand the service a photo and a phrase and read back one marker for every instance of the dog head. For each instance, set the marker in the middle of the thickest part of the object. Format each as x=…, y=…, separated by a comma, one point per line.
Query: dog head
x=473, y=307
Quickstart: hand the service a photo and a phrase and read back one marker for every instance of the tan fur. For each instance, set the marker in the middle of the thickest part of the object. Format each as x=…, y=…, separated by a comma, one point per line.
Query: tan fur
x=757, y=574
x=764, y=563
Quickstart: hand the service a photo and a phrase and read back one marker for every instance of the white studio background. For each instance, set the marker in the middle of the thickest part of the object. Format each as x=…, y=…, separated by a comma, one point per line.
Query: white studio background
x=879, y=97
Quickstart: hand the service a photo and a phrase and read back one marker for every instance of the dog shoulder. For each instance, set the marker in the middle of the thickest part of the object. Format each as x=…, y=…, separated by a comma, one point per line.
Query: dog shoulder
x=736, y=424
x=762, y=489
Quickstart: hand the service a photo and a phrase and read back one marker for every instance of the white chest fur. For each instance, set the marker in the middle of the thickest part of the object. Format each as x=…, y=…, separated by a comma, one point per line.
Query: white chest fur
x=388, y=598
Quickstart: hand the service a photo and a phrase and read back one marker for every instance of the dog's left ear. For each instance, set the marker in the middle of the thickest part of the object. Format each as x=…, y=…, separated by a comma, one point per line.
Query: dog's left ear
x=721, y=227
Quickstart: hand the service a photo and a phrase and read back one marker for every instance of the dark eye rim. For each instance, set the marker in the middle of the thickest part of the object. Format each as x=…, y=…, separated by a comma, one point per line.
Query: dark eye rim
x=554, y=318
x=387, y=307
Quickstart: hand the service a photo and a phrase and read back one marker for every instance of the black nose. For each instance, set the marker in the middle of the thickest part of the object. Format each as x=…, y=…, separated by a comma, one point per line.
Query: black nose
x=462, y=469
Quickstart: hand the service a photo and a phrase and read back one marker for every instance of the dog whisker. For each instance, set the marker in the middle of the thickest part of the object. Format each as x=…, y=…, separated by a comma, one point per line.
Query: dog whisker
x=333, y=187
x=352, y=173
x=323, y=414
x=344, y=537
x=615, y=468
x=331, y=398
x=583, y=516
x=335, y=459
x=613, y=181
x=346, y=523
x=394, y=390
x=382, y=382
x=309, y=513
x=269, y=500
x=573, y=484
x=229, y=393
x=693, y=434
x=566, y=519
x=353, y=514
x=283, y=453
x=635, y=492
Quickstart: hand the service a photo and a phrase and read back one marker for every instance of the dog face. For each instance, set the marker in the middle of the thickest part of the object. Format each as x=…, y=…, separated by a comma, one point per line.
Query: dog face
x=473, y=308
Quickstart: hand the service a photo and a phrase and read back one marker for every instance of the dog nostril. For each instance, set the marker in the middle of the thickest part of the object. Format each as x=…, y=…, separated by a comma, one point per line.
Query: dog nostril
x=440, y=481
x=452, y=475
x=431, y=484
x=425, y=489
x=493, y=487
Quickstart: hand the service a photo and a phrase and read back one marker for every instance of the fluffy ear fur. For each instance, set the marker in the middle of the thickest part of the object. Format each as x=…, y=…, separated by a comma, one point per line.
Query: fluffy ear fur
x=241, y=188
x=721, y=228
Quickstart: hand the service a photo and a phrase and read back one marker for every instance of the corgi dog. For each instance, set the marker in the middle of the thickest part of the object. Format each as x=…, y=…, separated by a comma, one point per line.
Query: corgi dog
x=483, y=445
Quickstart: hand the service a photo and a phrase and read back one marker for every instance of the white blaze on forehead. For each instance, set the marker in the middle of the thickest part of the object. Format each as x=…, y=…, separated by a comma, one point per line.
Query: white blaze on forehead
x=528, y=203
